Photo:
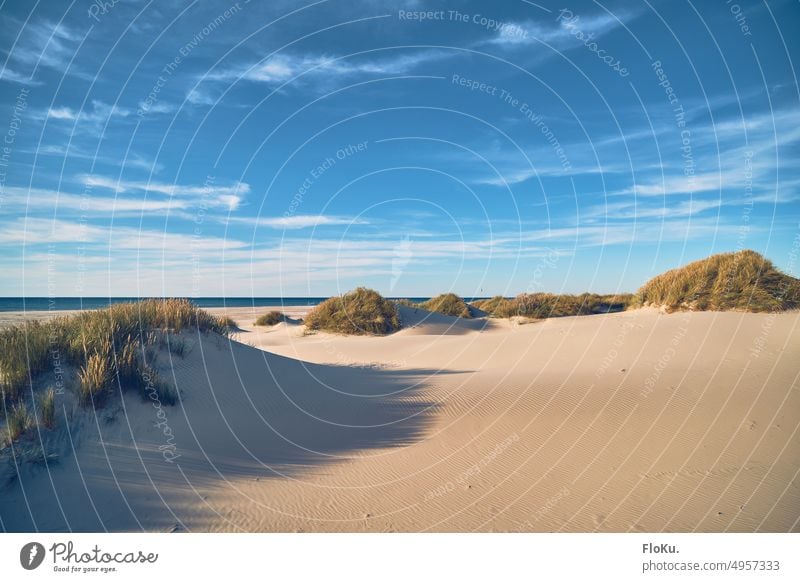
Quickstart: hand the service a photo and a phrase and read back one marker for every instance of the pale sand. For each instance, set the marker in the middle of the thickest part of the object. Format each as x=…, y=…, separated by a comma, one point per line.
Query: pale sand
x=562, y=425
x=245, y=313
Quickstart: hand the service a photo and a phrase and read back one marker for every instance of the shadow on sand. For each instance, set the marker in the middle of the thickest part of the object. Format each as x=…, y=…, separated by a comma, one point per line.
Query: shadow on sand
x=418, y=321
x=244, y=413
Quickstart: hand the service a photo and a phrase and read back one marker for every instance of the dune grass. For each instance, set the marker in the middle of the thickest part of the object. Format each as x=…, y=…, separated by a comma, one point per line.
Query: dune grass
x=358, y=312
x=95, y=378
x=126, y=362
x=151, y=386
x=740, y=281
x=227, y=324
x=47, y=408
x=18, y=420
x=23, y=353
x=176, y=345
x=448, y=304
x=497, y=306
x=270, y=318
x=544, y=305
x=102, y=346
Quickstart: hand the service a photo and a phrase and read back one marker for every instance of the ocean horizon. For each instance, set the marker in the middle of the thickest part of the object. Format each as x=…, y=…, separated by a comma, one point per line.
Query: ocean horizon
x=82, y=303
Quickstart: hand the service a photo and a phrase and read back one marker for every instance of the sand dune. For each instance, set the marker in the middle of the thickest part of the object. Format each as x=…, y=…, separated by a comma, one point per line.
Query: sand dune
x=635, y=421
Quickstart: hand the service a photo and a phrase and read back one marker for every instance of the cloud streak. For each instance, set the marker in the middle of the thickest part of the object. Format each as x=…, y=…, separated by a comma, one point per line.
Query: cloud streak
x=43, y=231
x=228, y=195
x=318, y=68
x=559, y=33
x=40, y=200
x=41, y=44
x=297, y=221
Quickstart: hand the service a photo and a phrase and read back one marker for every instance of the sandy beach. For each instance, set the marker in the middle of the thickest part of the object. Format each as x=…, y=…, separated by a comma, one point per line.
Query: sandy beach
x=634, y=421
x=245, y=314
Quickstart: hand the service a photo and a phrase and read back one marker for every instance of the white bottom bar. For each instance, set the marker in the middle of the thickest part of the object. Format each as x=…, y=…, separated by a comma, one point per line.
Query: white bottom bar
x=402, y=557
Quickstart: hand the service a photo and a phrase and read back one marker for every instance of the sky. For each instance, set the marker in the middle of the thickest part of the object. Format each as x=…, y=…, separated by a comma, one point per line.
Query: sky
x=293, y=148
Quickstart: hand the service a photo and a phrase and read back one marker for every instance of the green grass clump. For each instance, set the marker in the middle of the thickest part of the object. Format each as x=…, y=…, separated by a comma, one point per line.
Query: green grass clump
x=154, y=388
x=544, y=305
x=270, y=318
x=18, y=420
x=23, y=354
x=176, y=345
x=127, y=361
x=497, y=306
x=740, y=281
x=100, y=344
x=358, y=312
x=447, y=304
x=47, y=408
x=227, y=324
x=95, y=377
x=136, y=369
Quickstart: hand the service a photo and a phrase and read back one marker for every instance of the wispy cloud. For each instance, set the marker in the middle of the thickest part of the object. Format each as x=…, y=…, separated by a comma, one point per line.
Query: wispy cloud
x=201, y=95
x=280, y=68
x=686, y=184
x=132, y=161
x=130, y=198
x=161, y=107
x=100, y=113
x=42, y=231
x=8, y=74
x=41, y=200
x=744, y=153
x=511, y=173
x=561, y=31
x=639, y=211
x=41, y=44
x=730, y=153
x=297, y=221
x=230, y=195
x=630, y=231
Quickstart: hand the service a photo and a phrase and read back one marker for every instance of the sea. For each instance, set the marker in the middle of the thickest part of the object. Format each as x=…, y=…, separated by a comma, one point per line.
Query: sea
x=80, y=303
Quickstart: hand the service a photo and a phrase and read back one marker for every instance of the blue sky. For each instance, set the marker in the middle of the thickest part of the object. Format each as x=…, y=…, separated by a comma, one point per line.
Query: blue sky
x=292, y=148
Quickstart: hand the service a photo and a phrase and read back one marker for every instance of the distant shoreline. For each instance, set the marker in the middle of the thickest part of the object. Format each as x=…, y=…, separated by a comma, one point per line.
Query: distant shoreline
x=18, y=317
x=37, y=304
